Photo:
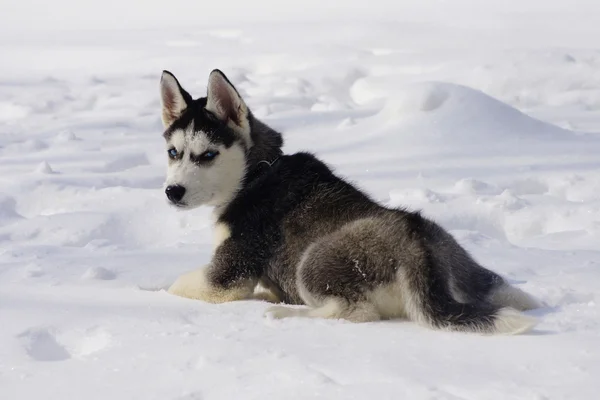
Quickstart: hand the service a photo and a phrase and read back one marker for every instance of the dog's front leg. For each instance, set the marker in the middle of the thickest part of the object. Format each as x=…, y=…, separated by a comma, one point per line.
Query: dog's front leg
x=232, y=275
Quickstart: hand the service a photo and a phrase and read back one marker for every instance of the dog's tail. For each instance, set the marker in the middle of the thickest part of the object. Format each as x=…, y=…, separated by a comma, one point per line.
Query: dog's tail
x=478, y=318
x=430, y=299
x=431, y=303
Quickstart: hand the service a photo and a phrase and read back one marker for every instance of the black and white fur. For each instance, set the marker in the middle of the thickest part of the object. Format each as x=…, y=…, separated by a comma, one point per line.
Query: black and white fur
x=288, y=223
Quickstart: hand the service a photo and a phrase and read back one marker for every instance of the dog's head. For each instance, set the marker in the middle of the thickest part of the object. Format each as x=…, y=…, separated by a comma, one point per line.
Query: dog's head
x=208, y=141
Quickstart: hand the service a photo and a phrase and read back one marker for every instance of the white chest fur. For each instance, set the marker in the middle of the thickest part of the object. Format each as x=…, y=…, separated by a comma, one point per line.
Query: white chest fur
x=220, y=234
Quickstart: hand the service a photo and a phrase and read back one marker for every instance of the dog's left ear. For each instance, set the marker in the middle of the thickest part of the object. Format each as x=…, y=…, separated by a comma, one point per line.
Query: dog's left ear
x=173, y=98
x=224, y=101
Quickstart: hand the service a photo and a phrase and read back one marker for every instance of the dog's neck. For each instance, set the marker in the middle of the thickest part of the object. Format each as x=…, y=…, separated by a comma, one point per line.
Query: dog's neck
x=261, y=157
x=265, y=150
x=266, y=143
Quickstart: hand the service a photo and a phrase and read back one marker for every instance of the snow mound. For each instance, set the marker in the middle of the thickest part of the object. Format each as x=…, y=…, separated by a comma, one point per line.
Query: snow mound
x=99, y=273
x=44, y=168
x=436, y=113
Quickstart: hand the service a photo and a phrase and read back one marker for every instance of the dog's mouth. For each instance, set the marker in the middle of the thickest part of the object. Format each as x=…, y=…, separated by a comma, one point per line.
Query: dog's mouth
x=191, y=203
x=177, y=204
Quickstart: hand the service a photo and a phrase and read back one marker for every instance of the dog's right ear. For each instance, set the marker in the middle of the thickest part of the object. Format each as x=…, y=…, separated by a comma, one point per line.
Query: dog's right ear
x=173, y=98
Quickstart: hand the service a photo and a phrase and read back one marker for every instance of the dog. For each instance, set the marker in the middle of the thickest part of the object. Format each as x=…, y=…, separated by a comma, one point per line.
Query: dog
x=288, y=223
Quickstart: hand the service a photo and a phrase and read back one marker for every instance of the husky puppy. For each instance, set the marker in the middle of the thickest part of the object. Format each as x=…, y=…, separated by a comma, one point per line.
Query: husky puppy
x=288, y=223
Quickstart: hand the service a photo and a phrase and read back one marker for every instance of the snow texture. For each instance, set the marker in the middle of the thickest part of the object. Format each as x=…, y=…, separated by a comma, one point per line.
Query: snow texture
x=485, y=115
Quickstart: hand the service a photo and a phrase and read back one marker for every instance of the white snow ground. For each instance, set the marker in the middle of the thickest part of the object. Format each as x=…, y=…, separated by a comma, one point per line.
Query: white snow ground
x=484, y=115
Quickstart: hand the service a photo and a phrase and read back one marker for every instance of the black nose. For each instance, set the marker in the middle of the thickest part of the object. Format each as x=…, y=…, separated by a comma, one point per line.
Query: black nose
x=175, y=193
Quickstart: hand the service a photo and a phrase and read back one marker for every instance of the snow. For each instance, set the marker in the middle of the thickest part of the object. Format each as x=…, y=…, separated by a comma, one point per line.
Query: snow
x=485, y=115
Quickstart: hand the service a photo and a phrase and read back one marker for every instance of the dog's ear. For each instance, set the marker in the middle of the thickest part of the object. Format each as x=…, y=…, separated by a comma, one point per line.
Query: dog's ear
x=224, y=101
x=174, y=99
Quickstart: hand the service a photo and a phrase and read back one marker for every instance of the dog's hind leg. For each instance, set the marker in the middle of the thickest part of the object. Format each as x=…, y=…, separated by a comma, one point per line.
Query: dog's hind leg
x=330, y=309
x=341, y=275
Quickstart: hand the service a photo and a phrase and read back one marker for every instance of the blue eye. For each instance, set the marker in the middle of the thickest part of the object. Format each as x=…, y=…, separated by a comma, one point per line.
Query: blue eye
x=173, y=153
x=209, y=155
x=204, y=158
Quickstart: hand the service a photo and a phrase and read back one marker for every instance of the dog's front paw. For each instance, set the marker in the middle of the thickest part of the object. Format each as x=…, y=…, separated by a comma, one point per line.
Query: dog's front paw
x=197, y=285
x=280, y=312
x=192, y=285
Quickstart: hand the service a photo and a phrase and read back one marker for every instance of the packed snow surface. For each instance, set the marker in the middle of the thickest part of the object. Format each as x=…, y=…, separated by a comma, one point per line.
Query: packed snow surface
x=484, y=115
